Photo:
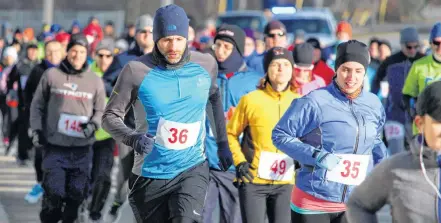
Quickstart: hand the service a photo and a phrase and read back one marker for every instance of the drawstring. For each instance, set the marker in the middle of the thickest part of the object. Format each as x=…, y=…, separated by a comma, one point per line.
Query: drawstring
x=423, y=168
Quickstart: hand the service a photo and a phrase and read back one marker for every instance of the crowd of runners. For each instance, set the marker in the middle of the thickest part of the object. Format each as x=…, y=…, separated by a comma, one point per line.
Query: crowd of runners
x=223, y=118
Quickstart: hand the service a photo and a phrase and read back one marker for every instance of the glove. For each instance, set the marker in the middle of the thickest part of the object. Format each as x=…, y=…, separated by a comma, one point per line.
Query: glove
x=141, y=143
x=243, y=172
x=88, y=129
x=38, y=138
x=225, y=156
x=327, y=160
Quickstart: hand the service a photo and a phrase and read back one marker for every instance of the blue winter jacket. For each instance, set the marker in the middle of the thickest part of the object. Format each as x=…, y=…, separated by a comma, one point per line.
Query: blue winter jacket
x=256, y=63
x=326, y=119
x=231, y=90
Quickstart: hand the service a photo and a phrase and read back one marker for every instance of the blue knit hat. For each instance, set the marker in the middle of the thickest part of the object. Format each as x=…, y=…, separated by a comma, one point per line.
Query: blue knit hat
x=170, y=20
x=436, y=31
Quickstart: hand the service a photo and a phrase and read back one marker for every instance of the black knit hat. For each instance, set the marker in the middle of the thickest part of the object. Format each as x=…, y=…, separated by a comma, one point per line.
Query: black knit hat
x=429, y=101
x=77, y=39
x=352, y=50
x=303, y=55
x=232, y=34
x=276, y=53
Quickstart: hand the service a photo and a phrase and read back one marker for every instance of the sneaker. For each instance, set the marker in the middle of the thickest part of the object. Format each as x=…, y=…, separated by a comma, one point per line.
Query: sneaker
x=113, y=213
x=35, y=194
x=6, y=141
x=83, y=213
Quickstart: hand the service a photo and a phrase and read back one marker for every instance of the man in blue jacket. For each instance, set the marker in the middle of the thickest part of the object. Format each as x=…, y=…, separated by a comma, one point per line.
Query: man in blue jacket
x=234, y=80
x=169, y=90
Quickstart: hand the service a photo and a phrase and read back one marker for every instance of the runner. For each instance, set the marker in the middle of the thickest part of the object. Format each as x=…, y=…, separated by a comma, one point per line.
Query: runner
x=304, y=80
x=423, y=72
x=66, y=110
x=398, y=181
x=343, y=34
x=16, y=84
x=102, y=161
x=143, y=44
x=264, y=174
x=391, y=75
x=335, y=135
x=275, y=36
x=234, y=81
x=320, y=66
x=168, y=89
x=53, y=57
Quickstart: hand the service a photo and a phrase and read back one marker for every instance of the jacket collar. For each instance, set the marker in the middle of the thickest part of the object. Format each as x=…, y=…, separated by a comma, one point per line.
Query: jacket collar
x=335, y=90
x=429, y=155
x=275, y=94
x=242, y=68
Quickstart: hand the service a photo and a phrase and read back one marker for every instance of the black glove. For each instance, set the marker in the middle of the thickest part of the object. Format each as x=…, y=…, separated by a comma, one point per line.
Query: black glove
x=38, y=138
x=225, y=156
x=88, y=129
x=142, y=143
x=243, y=172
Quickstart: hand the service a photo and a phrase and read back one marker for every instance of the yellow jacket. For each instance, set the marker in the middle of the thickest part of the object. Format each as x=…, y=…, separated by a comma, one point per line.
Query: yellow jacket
x=257, y=114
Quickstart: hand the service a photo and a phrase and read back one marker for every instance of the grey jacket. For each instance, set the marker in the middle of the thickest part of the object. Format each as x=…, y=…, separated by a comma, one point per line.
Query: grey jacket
x=59, y=97
x=400, y=183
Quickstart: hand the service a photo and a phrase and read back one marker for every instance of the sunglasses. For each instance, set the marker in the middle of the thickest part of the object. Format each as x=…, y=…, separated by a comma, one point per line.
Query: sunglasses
x=412, y=47
x=105, y=55
x=300, y=69
x=272, y=35
x=436, y=43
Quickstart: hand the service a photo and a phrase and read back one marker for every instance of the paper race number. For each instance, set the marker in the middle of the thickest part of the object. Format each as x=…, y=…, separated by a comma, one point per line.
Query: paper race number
x=176, y=135
x=70, y=125
x=351, y=170
x=275, y=166
x=393, y=130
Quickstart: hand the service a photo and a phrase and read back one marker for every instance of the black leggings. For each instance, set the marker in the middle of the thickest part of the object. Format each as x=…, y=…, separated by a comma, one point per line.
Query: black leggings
x=318, y=218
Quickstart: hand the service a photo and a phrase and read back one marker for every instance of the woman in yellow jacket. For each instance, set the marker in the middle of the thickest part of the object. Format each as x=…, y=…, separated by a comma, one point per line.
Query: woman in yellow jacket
x=265, y=175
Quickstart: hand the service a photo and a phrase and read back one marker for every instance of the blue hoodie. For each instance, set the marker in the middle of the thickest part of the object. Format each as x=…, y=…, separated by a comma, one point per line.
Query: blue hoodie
x=231, y=90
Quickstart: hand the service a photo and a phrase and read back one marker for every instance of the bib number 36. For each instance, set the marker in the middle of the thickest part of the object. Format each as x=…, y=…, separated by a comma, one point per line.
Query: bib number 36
x=351, y=170
x=176, y=135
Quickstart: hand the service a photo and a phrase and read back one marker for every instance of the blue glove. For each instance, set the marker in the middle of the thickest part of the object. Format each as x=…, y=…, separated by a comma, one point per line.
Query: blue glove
x=327, y=160
x=88, y=129
x=141, y=143
x=225, y=156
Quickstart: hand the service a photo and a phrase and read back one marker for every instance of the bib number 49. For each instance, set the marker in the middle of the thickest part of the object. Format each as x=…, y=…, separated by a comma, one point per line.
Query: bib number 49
x=178, y=136
x=351, y=169
x=278, y=167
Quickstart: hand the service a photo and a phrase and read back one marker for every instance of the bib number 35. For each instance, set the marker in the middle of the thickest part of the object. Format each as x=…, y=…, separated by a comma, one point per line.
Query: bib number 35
x=351, y=170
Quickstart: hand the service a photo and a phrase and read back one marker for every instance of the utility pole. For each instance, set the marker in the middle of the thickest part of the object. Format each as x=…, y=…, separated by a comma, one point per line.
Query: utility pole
x=48, y=11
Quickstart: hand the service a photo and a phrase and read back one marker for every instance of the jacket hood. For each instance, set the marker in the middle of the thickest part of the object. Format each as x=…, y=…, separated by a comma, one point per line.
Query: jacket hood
x=429, y=155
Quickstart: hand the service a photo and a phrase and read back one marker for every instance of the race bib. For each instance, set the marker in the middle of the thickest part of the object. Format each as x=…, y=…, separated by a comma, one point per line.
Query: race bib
x=176, y=135
x=70, y=125
x=384, y=86
x=275, y=166
x=393, y=130
x=351, y=170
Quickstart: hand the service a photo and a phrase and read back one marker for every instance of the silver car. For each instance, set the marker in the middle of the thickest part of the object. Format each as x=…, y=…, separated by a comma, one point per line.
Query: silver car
x=317, y=23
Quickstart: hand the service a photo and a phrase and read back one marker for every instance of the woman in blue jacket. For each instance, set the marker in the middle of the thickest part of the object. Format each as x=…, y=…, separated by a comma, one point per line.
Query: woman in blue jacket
x=335, y=135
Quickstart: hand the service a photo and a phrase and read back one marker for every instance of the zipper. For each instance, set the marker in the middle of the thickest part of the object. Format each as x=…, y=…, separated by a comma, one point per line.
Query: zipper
x=438, y=210
x=179, y=84
x=357, y=138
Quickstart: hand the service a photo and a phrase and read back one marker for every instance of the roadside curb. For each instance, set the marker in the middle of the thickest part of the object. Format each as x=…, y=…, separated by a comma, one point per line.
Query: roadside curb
x=3, y=215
